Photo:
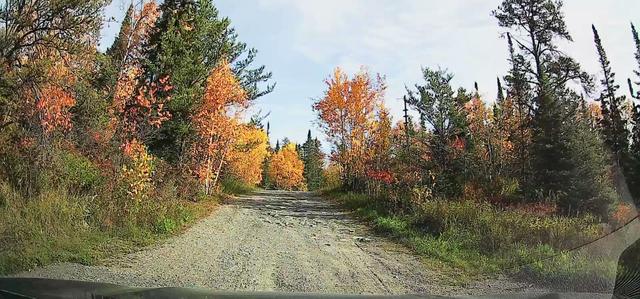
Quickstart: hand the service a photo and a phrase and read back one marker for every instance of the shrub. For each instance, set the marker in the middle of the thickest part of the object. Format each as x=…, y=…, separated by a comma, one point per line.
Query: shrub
x=77, y=172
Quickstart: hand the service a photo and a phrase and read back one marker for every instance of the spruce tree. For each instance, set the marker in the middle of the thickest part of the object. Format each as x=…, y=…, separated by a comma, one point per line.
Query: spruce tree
x=633, y=169
x=500, y=96
x=636, y=42
x=589, y=187
x=313, y=162
x=614, y=125
x=118, y=49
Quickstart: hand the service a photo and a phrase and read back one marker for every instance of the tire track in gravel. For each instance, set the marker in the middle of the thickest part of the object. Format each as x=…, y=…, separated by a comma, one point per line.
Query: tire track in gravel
x=276, y=241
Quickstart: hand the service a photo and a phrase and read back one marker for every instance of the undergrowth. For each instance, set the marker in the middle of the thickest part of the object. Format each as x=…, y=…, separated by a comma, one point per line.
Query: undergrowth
x=480, y=240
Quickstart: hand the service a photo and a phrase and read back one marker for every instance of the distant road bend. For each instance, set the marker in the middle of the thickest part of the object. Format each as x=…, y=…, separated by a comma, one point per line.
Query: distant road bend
x=276, y=241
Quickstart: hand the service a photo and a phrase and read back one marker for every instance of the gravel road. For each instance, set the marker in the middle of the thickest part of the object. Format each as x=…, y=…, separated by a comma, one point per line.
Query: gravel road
x=276, y=241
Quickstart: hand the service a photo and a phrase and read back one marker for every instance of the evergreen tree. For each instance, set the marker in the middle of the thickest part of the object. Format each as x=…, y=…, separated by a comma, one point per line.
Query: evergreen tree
x=442, y=109
x=519, y=91
x=189, y=40
x=313, y=162
x=500, y=96
x=539, y=25
x=118, y=49
x=277, y=148
x=589, y=173
x=633, y=170
x=614, y=125
x=266, y=179
x=636, y=42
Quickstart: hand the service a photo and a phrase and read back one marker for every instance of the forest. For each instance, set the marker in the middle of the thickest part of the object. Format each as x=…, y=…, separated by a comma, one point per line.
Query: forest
x=514, y=182
x=103, y=152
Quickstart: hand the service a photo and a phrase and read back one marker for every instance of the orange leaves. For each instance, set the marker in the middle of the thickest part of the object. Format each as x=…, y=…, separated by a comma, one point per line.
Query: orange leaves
x=347, y=115
x=53, y=108
x=215, y=129
x=143, y=24
x=222, y=90
x=623, y=213
x=349, y=104
x=54, y=101
x=135, y=101
x=285, y=169
x=136, y=105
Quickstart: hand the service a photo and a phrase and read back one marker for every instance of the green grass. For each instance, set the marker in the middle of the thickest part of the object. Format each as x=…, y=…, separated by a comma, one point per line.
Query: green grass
x=472, y=240
x=236, y=187
x=58, y=227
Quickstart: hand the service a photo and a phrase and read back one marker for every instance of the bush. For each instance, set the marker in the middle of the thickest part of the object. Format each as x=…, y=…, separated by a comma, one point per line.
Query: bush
x=77, y=172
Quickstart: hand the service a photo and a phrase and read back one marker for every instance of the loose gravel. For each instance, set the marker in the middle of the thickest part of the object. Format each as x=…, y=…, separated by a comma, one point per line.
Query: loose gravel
x=277, y=241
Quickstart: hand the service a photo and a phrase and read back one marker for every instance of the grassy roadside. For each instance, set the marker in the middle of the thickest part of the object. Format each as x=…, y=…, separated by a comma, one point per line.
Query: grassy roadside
x=470, y=240
x=58, y=227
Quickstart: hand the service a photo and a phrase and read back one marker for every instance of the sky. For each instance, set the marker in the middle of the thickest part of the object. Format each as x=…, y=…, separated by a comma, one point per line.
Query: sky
x=302, y=41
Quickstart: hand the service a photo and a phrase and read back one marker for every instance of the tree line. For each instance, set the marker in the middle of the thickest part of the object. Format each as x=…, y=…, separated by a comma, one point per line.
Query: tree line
x=540, y=142
x=159, y=116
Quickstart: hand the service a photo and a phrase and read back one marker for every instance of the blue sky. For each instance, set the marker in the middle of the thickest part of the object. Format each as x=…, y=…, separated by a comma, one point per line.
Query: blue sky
x=301, y=41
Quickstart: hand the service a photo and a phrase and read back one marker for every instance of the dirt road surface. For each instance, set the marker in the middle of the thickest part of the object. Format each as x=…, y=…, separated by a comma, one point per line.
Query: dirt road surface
x=277, y=241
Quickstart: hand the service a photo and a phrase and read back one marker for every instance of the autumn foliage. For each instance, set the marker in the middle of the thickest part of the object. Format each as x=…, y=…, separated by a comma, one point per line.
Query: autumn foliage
x=347, y=114
x=120, y=142
x=216, y=125
x=285, y=169
x=247, y=154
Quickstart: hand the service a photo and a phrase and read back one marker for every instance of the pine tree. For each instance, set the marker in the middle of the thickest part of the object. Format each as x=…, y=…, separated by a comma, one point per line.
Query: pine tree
x=277, y=148
x=614, y=125
x=519, y=91
x=554, y=104
x=442, y=109
x=118, y=49
x=313, y=162
x=633, y=169
x=190, y=39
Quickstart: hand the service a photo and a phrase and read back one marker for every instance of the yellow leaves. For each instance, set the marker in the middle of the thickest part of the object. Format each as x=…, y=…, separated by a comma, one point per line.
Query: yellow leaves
x=137, y=173
x=285, y=169
x=248, y=154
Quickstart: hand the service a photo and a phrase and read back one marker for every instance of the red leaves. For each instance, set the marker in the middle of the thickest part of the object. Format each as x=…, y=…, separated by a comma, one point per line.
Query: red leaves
x=384, y=176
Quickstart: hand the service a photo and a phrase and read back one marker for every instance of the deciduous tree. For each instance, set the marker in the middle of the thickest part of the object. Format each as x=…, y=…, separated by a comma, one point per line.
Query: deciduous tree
x=214, y=128
x=346, y=114
x=286, y=169
x=248, y=154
